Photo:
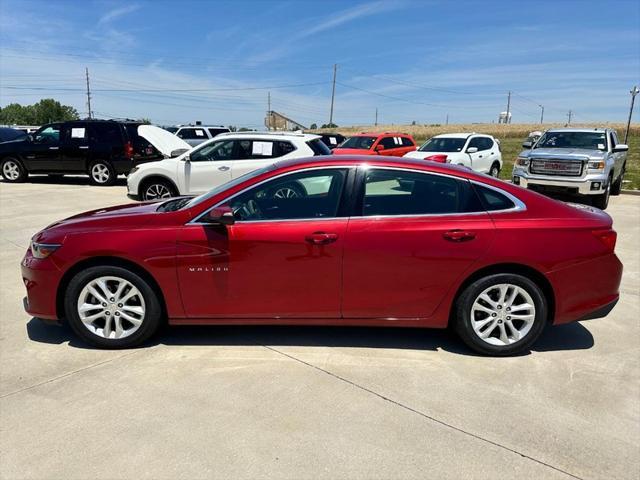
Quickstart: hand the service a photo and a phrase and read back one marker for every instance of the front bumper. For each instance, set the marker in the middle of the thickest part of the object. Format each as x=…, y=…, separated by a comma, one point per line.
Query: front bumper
x=589, y=184
x=41, y=279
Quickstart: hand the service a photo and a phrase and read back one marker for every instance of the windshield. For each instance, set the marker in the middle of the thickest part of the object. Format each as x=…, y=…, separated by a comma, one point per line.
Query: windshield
x=443, y=144
x=232, y=183
x=588, y=140
x=362, y=143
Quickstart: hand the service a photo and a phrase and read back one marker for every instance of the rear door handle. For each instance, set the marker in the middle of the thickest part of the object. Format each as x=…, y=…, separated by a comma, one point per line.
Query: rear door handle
x=321, y=238
x=459, y=235
x=223, y=168
x=54, y=148
x=83, y=147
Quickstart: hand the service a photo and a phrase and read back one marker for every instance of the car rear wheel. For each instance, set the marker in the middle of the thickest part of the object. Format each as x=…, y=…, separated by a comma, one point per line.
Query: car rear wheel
x=289, y=190
x=13, y=171
x=157, y=190
x=102, y=173
x=602, y=201
x=112, y=307
x=501, y=314
x=495, y=170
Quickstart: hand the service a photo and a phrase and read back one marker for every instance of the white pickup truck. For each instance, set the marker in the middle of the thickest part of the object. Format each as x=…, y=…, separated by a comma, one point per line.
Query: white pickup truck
x=578, y=161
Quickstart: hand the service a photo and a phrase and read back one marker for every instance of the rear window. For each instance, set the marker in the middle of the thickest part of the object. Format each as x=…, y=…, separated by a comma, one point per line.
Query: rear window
x=493, y=200
x=362, y=143
x=318, y=147
x=217, y=131
x=193, y=134
x=106, y=133
x=406, y=142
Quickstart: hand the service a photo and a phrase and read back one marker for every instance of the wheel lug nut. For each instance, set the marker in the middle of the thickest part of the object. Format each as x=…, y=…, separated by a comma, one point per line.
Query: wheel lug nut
x=494, y=314
x=112, y=299
x=107, y=313
x=104, y=304
x=119, y=305
x=499, y=307
x=117, y=314
x=508, y=318
x=508, y=309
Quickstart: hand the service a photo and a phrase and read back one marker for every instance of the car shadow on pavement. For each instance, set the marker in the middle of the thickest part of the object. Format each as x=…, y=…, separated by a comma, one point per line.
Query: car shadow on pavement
x=573, y=336
x=65, y=180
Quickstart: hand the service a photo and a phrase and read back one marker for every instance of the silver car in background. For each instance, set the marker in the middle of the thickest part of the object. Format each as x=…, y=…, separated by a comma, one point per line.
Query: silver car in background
x=575, y=161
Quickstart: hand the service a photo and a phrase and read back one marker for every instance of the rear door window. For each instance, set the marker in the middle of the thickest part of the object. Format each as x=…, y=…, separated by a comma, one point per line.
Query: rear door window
x=76, y=134
x=389, y=142
x=109, y=133
x=493, y=200
x=406, y=142
x=192, y=134
x=217, y=131
x=397, y=192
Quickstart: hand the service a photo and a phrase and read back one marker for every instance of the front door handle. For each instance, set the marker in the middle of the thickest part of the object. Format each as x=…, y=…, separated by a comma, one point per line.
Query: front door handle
x=321, y=238
x=54, y=148
x=223, y=168
x=83, y=147
x=459, y=235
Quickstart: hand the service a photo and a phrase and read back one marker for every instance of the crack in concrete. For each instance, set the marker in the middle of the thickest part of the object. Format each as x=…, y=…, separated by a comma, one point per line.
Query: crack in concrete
x=422, y=414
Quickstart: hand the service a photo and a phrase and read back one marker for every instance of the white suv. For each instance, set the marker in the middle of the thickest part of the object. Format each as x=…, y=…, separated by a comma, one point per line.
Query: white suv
x=217, y=161
x=476, y=151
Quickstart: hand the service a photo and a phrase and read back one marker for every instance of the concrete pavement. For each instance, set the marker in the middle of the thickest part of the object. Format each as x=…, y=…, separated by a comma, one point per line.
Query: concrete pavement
x=282, y=402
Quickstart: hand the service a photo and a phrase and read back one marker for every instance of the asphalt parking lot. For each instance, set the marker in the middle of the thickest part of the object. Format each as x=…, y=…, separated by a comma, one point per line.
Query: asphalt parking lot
x=267, y=402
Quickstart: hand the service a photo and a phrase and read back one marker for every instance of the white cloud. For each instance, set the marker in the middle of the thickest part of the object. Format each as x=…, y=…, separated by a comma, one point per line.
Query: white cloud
x=118, y=12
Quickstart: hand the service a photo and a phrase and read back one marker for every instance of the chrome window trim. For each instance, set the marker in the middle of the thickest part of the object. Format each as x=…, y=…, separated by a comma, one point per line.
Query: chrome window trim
x=227, y=199
x=519, y=204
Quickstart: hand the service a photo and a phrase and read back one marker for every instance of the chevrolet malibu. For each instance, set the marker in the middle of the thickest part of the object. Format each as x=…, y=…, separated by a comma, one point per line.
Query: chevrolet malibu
x=360, y=241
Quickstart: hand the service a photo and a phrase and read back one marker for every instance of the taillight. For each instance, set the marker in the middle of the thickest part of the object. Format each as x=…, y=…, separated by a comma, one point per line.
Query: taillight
x=437, y=158
x=128, y=150
x=607, y=236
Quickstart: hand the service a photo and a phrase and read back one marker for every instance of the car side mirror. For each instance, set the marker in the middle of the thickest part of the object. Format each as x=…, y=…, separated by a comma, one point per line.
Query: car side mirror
x=472, y=149
x=621, y=147
x=178, y=152
x=379, y=148
x=186, y=158
x=527, y=145
x=30, y=138
x=222, y=215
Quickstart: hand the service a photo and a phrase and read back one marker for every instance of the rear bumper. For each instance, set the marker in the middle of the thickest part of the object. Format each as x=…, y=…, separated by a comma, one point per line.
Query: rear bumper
x=586, y=290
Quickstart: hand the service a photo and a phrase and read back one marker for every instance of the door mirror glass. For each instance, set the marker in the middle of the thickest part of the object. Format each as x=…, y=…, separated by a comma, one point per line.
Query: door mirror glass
x=222, y=215
x=621, y=147
x=178, y=152
x=527, y=145
x=472, y=149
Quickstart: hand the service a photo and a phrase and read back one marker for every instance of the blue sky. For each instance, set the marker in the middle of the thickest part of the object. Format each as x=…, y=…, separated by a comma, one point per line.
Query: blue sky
x=176, y=62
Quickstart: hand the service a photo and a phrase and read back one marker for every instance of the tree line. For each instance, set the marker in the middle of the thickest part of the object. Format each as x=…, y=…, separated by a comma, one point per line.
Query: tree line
x=45, y=111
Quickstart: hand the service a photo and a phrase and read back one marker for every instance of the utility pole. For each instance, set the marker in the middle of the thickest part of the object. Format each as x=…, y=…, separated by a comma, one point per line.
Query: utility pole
x=569, y=115
x=269, y=115
x=508, y=120
x=446, y=122
x=376, y=124
x=634, y=91
x=86, y=70
x=333, y=93
x=541, y=114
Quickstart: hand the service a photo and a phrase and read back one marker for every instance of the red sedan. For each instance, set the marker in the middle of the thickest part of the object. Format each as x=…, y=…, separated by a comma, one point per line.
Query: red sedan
x=360, y=241
x=390, y=144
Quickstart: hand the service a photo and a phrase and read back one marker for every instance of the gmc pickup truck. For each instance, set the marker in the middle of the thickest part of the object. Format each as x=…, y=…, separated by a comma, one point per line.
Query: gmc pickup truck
x=576, y=161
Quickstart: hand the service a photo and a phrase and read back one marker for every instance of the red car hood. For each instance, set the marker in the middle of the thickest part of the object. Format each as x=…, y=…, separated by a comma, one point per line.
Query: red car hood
x=352, y=151
x=120, y=216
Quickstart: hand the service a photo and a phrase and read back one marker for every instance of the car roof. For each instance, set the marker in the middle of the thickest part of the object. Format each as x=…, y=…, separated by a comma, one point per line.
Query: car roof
x=461, y=135
x=383, y=161
x=380, y=134
x=269, y=135
x=583, y=130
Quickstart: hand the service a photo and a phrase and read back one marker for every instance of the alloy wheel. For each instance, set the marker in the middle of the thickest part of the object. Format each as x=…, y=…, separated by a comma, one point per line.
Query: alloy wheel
x=503, y=314
x=156, y=191
x=495, y=171
x=100, y=173
x=111, y=307
x=10, y=170
x=285, y=192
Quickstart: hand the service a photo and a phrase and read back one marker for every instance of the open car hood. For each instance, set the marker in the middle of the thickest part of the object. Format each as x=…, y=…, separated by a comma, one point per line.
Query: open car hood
x=166, y=142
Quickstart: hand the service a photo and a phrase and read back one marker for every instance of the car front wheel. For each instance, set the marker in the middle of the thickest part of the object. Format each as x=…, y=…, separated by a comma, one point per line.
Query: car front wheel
x=157, y=190
x=501, y=314
x=12, y=170
x=112, y=307
x=602, y=201
x=495, y=170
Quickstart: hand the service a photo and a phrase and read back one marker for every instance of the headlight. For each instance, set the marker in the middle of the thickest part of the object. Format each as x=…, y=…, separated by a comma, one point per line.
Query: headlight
x=595, y=165
x=43, y=250
x=522, y=161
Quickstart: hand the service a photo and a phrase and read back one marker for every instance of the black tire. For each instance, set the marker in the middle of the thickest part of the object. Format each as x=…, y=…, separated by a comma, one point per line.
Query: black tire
x=150, y=320
x=616, y=188
x=12, y=170
x=157, y=189
x=463, y=312
x=102, y=173
x=602, y=201
x=495, y=170
x=288, y=190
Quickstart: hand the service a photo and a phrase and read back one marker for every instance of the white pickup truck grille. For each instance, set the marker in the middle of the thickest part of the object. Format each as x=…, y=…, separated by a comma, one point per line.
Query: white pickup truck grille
x=557, y=167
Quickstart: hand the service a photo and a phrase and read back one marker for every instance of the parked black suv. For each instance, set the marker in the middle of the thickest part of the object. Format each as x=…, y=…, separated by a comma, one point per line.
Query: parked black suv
x=331, y=140
x=102, y=149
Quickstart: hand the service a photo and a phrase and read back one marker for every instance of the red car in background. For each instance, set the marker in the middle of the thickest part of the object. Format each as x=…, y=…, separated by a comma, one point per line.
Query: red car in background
x=389, y=144
x=364, y=241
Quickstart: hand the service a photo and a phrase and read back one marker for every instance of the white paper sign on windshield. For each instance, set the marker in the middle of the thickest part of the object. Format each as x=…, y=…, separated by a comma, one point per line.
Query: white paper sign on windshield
x=77, y=132
x=262, y=148
x=199, y=133
x=333, y=140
